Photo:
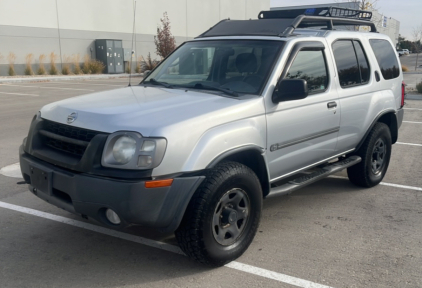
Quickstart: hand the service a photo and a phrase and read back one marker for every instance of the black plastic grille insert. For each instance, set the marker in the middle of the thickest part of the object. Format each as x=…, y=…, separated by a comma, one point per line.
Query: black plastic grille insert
x=67, y=131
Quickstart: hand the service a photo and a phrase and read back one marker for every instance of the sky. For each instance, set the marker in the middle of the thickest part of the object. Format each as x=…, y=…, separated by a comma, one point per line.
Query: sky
x=408, y=12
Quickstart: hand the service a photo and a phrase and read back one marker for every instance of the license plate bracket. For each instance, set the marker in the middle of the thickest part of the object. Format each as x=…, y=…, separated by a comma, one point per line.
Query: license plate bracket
x=41, y=179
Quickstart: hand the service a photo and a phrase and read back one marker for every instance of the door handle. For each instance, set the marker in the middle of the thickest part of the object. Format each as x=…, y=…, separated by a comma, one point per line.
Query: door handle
x=331, y=105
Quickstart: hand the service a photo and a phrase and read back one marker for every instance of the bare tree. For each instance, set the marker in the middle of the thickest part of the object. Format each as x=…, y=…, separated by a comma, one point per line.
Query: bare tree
x=417, y=38
x=367, y=5
x=363, y=4
x=164, y=41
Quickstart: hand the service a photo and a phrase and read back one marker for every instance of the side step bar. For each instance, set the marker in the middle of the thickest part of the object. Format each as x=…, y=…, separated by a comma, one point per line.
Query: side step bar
x=320, y=173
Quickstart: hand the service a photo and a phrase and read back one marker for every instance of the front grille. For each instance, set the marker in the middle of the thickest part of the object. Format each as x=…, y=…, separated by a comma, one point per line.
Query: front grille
x=65, y=138
x=69, y=131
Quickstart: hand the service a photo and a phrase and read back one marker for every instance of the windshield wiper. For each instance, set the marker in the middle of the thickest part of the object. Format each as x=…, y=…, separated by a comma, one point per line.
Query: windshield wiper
x=155, y=82
x=209, y=87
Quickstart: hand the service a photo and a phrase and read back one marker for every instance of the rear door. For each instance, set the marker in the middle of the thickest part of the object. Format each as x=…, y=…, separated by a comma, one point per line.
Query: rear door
x=304, y=132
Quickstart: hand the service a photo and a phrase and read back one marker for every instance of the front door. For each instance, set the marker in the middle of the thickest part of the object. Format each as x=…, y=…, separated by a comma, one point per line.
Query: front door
x=303, y=132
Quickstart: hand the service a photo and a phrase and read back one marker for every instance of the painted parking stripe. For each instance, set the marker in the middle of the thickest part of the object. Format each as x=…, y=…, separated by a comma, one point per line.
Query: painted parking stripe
x=58, y=88
x=384, y=183
x=410, y=144
x=412, y=122
x=19, y=94
x=163, y=246
x=83, y=83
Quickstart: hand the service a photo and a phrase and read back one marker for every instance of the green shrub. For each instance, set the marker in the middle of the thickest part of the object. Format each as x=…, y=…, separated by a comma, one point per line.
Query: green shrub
x=28, y=60
x=148, y=64
x=76, y=65
x=96, y=67
x=53, y=68
x=41, y=68
x=11, y=71
x=419, y=87
x=11, y=59
x=85, y=66
x=65, y=69
x=138, y=65
x=66, y=65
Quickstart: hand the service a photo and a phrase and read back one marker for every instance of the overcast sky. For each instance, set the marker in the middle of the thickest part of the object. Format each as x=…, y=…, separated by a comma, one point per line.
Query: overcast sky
x=408, y=12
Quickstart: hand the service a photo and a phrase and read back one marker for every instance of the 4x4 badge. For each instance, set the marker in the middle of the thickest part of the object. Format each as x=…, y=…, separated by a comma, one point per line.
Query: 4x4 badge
x=72, y=117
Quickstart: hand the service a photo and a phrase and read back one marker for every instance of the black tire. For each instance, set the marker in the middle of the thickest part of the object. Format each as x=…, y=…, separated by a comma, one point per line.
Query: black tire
x=375, y=153
x=210, y=232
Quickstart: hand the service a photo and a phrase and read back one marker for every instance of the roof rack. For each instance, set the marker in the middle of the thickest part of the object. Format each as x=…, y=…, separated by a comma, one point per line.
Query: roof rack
x=332, y=11
x=282, y=23
x=321, y=16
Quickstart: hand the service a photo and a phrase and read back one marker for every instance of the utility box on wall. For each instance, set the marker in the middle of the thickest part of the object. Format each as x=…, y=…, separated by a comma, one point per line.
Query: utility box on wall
x=110, y=52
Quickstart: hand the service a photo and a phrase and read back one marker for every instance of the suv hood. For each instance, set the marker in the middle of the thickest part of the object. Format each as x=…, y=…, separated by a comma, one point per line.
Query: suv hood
x=150, y=110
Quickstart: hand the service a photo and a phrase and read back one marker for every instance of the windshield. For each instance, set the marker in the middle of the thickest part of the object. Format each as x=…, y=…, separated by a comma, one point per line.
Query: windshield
x=231, y=66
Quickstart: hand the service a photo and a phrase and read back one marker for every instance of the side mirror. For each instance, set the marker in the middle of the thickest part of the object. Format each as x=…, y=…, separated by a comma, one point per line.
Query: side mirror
x=290, y=89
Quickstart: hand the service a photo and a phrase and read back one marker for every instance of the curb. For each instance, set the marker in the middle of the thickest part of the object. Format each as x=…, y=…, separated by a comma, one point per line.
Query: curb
x=65, y=78
x=413, y=97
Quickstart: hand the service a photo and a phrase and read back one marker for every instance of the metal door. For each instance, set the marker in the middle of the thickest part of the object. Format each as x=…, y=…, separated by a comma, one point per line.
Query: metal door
x=303, y=132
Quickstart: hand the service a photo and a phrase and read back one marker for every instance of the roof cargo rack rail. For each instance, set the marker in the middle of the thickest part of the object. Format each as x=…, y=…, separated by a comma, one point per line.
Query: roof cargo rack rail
x=322, y=16
x=283, y=23
x=332, y=11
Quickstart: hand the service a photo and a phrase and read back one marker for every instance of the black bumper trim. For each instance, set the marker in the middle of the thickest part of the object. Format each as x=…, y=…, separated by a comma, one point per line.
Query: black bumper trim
x=162, y=208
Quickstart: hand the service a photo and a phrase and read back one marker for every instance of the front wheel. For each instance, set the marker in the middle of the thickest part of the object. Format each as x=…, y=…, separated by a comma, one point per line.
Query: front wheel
x=223, y=215
x=375, y=153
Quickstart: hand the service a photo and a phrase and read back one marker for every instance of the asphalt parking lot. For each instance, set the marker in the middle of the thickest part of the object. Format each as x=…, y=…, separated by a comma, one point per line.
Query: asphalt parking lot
x=329, y=234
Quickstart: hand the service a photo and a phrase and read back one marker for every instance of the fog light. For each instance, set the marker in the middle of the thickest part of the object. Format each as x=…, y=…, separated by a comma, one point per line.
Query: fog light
x=144, y=161
x=112, y=217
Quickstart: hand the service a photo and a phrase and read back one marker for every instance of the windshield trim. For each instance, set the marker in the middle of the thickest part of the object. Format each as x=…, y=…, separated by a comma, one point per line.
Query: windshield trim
x=231, y=38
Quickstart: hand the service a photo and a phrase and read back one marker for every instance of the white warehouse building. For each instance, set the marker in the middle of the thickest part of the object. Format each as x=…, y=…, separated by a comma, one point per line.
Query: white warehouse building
x=70, y=28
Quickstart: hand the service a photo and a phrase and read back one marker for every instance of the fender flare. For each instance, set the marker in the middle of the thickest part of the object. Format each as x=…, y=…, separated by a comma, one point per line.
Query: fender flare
x=393, y=125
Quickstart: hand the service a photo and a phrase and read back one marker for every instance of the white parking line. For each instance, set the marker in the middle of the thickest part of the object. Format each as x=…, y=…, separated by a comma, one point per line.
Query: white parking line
x=83, y=83
x=411, y=144
x=384, y=183
x=412, y=109
x=412, y=122
x=59, y=88
x=163, y=246
x=20, y=94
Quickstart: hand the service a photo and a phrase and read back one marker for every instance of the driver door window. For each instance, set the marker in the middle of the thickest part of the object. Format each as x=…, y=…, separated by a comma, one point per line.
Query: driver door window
x=310, y=66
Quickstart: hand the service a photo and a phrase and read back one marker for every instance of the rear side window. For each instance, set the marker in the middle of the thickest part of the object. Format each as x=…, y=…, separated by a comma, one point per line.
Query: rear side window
x=352, y=64
x=363, y=62
x=310, y=66
x=386, y=58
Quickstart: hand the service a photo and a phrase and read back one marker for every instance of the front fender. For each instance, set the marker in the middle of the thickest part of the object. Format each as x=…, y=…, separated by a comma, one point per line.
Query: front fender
x=250, y=132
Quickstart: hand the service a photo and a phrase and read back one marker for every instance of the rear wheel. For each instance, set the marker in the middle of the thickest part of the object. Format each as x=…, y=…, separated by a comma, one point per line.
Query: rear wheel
x=375, y=153
x=223, y=215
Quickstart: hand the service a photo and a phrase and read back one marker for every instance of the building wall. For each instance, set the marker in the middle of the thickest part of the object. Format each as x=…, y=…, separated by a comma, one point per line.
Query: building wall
x=70, y=27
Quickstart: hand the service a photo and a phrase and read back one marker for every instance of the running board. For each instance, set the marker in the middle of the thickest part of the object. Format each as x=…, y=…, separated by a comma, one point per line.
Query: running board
x=320, y=173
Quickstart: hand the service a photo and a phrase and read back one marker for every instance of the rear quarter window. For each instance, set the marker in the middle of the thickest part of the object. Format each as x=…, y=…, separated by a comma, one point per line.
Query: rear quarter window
x=386, y=58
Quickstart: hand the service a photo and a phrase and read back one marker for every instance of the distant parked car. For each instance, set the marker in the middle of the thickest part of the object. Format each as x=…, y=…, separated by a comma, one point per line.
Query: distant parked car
x=403, y=52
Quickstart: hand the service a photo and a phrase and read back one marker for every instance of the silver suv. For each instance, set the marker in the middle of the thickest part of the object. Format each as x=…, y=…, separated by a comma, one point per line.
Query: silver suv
x=247, y=110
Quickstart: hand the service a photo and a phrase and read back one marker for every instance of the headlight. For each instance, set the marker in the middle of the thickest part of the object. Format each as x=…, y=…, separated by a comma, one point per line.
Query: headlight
x=129, y=150
x=124, y=149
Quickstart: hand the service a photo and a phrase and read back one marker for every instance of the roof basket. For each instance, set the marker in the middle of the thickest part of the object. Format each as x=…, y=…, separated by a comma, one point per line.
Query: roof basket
x=283, y=23
x=336, y=12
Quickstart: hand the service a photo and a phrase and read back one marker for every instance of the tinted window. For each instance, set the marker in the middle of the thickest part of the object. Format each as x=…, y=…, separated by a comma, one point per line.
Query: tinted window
x=310, y=66
x=363, y=62
x=347, y=65
x=241, y=66
x=386, y=58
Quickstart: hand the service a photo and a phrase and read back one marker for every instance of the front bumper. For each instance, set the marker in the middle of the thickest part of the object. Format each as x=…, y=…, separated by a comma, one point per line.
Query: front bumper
x=90, y=196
